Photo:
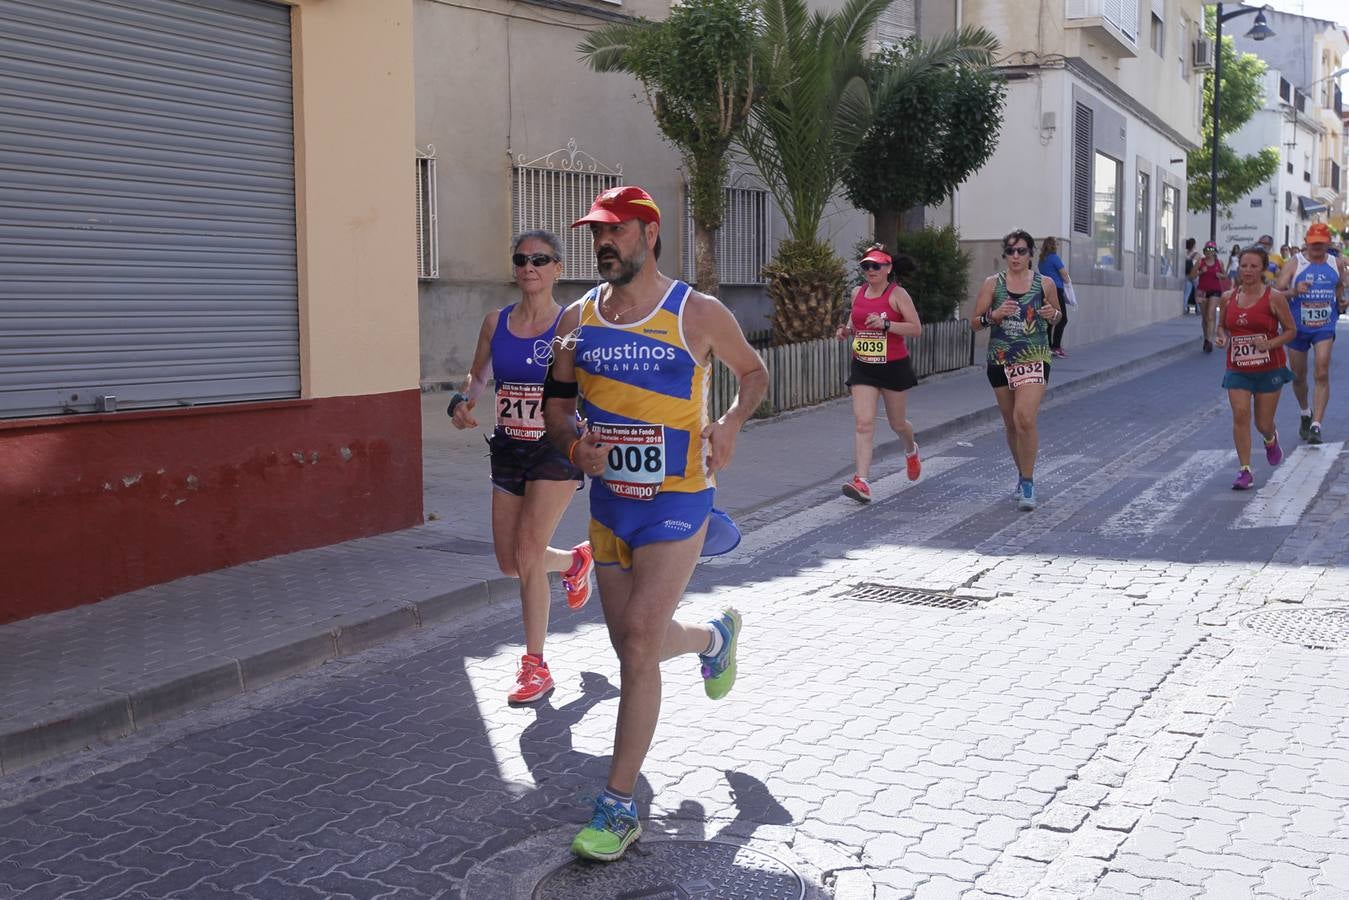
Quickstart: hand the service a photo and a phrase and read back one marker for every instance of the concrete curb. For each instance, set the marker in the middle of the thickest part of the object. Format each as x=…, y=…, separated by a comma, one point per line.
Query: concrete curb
x=124, y=712
x=121, y=713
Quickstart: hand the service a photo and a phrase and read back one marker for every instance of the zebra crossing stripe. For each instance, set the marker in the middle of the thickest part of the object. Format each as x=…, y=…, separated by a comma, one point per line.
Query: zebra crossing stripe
x=1283, y=499
x=1166, y=497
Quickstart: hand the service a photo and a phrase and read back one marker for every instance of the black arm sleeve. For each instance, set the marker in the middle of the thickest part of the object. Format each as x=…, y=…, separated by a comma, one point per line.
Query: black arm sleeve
x=563, y=390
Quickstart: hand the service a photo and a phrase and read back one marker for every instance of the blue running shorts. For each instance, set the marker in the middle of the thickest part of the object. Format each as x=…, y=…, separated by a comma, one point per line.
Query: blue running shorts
x=1303, y=341
x=619, y=525
x=1266, y=382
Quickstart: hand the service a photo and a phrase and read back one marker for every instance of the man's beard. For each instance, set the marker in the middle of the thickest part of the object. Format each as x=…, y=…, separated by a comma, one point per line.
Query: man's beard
x=624, y=270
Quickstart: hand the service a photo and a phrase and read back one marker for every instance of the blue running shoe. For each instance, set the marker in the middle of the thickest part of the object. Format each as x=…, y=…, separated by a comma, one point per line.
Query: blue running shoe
x=1025, y=500
x=613, y=827
x=719, y=670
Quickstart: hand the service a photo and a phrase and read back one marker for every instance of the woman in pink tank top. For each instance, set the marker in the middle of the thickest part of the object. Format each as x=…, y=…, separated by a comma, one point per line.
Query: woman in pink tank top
x=1254, y=322
x=882, y=315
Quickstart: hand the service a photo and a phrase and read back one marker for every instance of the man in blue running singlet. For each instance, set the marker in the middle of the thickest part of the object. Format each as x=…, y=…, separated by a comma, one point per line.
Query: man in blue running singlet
x=638, y=350
x=1315, y=290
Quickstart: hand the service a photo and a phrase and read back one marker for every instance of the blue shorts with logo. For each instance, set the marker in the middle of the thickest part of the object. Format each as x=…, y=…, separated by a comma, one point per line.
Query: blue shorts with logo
x=1267, y=382
x=619, y=525
x=1303, y=341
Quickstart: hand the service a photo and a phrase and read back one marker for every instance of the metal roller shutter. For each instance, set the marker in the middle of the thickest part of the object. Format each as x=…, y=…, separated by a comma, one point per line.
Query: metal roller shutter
x=147, y=204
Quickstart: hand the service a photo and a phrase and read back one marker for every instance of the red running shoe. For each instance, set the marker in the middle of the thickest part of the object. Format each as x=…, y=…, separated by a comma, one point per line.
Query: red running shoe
x=578, y=585
x=857, y=489
x=912, y=464
x=532, y=682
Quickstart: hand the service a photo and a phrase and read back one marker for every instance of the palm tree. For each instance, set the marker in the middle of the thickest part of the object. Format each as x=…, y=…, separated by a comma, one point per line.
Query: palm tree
x=698, y=70
x=816, y=108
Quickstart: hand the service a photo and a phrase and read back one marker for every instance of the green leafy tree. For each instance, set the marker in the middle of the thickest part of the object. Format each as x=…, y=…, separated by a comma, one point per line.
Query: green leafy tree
x=816, y=107
x=933, y=127
x=698, y=70
x=1241, y=97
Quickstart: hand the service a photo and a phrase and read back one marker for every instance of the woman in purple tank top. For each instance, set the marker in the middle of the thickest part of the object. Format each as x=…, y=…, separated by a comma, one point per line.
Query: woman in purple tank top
x=532, y=482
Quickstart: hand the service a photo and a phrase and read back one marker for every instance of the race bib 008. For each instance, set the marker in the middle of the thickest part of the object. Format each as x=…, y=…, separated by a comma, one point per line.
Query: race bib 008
x=1024, y=373
x=520, y=410
x=635, y=465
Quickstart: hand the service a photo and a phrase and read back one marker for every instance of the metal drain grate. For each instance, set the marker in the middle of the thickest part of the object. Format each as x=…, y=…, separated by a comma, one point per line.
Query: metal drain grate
x=1315, y=629
x=672, y=870
x=889, y=593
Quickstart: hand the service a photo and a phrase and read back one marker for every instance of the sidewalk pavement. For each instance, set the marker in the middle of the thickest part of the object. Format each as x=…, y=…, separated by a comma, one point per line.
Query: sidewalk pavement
x=71, y=679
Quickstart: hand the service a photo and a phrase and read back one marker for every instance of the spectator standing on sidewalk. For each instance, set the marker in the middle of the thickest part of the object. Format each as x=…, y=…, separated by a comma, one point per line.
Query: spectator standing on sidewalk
x=532, y=482
x=1209, y=274
x=1017, y=306
x=1233, y=259
x=882, y=315
x=1051, y=264
x=1191, y=257
x=1255, y=324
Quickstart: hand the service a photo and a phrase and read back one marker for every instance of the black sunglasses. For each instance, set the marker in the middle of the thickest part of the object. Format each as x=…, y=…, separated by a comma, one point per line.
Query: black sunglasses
x=871, y=266
x=1016, y=251
x=537, y=260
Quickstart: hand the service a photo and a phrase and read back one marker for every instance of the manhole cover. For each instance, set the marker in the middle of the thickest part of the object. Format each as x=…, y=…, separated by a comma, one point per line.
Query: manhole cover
x=888, y=593
x=462, y=546
x=1316, y=629
x=676, y=870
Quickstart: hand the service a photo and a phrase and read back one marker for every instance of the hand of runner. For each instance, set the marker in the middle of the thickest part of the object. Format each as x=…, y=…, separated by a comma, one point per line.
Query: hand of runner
x=1302, y=287
x=720, y=439
x=875, y=320
x=588, y=454
x=841, y=333
x=1220, y=341
x=1008, y=308
x=1261, y=342
x=461, y=418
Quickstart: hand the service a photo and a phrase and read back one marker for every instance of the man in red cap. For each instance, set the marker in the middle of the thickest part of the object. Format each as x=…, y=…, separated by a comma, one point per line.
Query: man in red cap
x=638, y=350
x=1316, y=298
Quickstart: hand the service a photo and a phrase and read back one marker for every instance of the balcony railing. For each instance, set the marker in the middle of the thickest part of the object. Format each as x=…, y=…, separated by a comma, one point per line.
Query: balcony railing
x=1114, y=21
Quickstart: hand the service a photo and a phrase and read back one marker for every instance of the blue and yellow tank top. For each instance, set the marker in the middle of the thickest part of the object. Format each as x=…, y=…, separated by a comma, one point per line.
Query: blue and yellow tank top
x=645, y=396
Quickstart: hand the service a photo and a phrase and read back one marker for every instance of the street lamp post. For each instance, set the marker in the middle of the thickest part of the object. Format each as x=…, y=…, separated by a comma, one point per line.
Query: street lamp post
x=1259, y=31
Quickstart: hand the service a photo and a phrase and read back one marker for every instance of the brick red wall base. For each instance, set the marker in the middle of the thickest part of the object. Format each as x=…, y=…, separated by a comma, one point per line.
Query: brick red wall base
x=93, y=506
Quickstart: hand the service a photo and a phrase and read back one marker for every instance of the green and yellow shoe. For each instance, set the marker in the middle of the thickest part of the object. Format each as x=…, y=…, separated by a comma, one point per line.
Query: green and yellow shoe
x=612, y=828
x=719, y=670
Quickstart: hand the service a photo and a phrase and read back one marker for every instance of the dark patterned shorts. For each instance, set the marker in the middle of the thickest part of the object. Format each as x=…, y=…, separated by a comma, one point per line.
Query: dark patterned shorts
x=516, y=462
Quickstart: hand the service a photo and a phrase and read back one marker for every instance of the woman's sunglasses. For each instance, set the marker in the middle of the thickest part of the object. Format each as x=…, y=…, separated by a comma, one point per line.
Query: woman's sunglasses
x=1016, y=251
x=537, y=260
x=872, y=266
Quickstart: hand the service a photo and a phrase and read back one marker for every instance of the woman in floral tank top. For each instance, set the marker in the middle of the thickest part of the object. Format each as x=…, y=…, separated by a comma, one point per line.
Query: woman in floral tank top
x=1018, y=307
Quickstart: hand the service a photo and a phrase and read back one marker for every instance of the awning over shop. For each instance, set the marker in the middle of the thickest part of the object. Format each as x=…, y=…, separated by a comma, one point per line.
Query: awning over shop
x=1310, y=207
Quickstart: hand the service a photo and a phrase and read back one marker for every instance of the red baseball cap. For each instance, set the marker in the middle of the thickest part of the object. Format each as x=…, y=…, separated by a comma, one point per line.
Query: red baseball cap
x=1318, y=233
x=876, y=254
x=620, y=204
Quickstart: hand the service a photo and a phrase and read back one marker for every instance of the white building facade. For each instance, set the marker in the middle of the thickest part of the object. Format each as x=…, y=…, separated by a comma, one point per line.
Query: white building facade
x=1104, y=102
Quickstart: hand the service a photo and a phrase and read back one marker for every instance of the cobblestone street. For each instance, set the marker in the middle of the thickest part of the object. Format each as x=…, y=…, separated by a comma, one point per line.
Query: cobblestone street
x=1100, y=717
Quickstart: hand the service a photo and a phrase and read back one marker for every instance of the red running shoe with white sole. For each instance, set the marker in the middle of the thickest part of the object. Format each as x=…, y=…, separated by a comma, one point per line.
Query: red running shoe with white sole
x=578, y=585
x=857, y=489
x=532, y=682
x=912, y=464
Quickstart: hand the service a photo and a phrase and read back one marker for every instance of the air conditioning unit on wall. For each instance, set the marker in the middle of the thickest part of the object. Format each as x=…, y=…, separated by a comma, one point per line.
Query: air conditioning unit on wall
x=1201, y=55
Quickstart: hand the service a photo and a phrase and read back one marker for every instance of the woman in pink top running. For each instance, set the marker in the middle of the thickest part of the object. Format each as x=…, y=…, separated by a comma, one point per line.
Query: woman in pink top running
x=882, y=315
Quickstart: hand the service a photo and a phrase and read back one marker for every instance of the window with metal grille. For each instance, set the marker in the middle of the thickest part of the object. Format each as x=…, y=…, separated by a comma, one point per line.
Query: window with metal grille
x=1082, y=153
x=1168, y=232
x=1142, y=204
x=428, y=228
x=555, y=190
x=898, y=21
x=744, y=241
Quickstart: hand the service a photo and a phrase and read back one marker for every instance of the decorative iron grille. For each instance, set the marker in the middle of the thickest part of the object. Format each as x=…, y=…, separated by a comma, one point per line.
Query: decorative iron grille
x=744, y=241
x=555, y=190
x=428, y=227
